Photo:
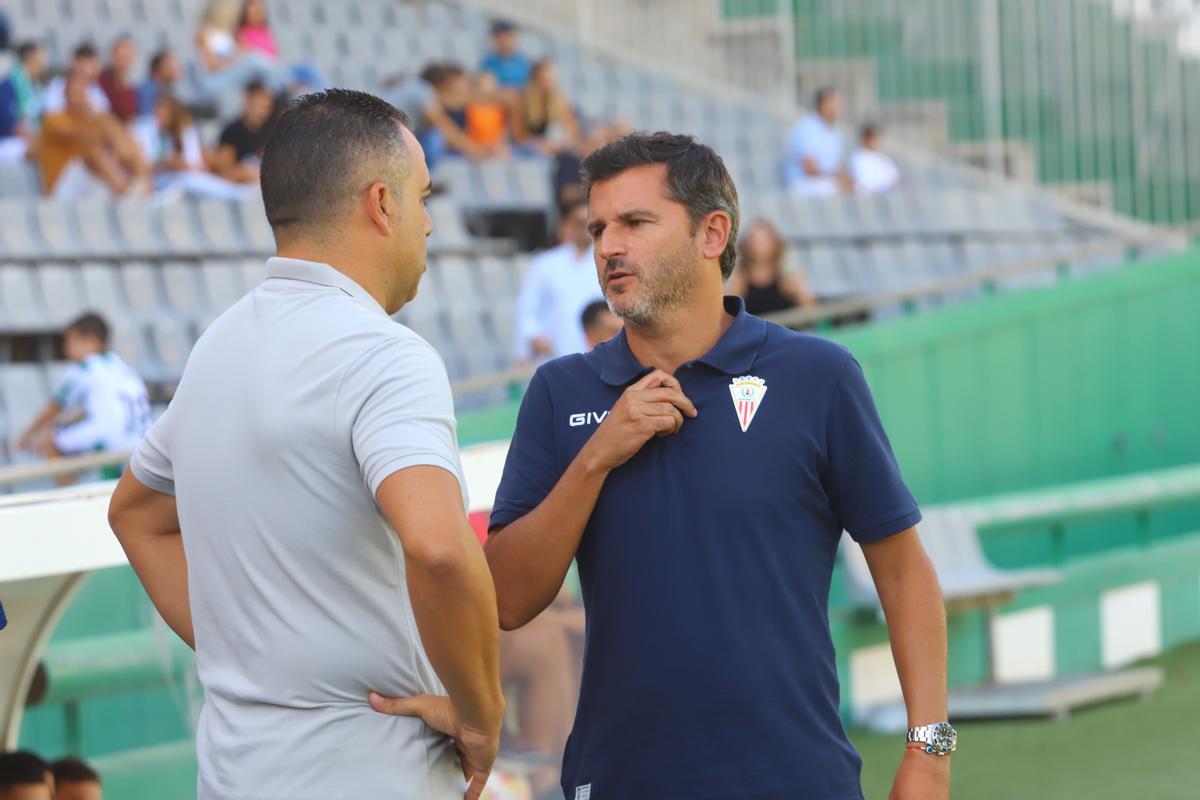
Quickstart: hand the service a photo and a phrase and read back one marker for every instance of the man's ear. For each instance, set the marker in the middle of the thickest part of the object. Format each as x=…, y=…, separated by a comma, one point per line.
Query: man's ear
x=380, y=207
x=715, y=228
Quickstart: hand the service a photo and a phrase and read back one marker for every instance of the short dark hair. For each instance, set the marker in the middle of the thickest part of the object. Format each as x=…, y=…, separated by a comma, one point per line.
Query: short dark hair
x=696, y=177
x=869, y=131
x=26, y=49
x=502, y=26
x=93, y=325
x=823, y=94
x=591, y=313
x=73, y=770
x=156, y=60
x=445, y=72
x=254, y=87
x=323, y=149
x=568, y=206
x=21, y=768
x=84, y=50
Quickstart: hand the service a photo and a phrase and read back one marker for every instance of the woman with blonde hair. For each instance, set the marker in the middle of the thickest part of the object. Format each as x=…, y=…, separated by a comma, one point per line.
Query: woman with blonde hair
x=171, y=144
x=543, y=119
x=760, y=277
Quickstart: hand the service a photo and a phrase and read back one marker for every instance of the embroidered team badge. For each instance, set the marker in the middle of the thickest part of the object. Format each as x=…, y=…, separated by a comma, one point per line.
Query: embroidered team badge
x=748, y=393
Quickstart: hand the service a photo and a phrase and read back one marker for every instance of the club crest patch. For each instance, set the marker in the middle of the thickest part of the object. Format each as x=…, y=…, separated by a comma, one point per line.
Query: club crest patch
x=748, y=393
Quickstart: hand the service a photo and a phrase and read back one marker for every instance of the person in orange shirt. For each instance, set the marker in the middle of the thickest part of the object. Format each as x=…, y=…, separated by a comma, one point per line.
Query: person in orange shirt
x=80, y=143
x=487, y=115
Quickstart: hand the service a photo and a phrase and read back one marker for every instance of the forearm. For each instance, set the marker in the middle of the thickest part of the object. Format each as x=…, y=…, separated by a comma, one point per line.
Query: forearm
x=916, y=620
x=160, y=564
x=49, y=413
x=529, y=558
x=455, y=609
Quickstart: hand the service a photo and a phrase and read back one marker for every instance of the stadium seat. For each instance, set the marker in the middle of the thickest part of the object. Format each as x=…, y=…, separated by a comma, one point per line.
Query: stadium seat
x=219, y=228
x=23, y=392
x=17, y=234
x=255, y=228
x=223, y=283
x=177, y=222
x=181, y=287
x=62, y=288
x=134, y=218
x=140, y=282
x=102, y=290
x=20, y=301
x=98, y=234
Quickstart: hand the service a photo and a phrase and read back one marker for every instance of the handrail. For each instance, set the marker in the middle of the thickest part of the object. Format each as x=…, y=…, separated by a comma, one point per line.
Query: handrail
x=67, y=465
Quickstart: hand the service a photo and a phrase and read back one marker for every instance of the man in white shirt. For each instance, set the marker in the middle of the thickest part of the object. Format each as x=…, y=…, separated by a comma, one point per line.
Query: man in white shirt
x=308, y=468
x=816, y=149
x=101, y=405
x=871, y=169
x=85, y=61
x=559, y=284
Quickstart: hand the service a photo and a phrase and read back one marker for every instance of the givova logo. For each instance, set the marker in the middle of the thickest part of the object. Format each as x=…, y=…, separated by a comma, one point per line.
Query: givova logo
x=587, y=418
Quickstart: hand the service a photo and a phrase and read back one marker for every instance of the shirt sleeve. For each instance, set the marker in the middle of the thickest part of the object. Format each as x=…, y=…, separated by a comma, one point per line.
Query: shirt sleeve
x=401, y=411
x=866, y=491
x=531, y=468
x=151, y=462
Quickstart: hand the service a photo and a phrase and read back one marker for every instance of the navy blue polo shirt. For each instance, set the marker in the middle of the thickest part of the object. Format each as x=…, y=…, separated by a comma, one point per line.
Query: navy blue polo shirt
x=706, y=564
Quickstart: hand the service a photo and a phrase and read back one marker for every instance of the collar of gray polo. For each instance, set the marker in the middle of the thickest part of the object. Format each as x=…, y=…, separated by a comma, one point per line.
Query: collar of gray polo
x=296, y=269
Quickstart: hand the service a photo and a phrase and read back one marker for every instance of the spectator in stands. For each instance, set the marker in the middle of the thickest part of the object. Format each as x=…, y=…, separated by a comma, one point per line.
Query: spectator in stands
x=165, y=72
x=487, y=115
x=171, y=144
x=254, y=35
x=452, y=90
x=871, y=169
x=415, y=96
x=505, y=60
x=564, y=179
x=20, y=103
x=599, y=323
x=81, y=148
x=100, y=405
x=544, y=121
x=86, y=63
x=115, y=79
x=25, y=776
x=761, y=277
x=224, y=65
x=240, y=147
x=816, y=149
x=75, y=780
x=559, y=284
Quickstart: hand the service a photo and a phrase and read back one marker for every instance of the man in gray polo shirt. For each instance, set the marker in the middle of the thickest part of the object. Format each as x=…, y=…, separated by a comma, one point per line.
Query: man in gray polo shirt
x=298, y=513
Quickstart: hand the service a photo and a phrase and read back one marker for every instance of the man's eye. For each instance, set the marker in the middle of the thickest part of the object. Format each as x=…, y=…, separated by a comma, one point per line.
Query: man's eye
x=633, y=223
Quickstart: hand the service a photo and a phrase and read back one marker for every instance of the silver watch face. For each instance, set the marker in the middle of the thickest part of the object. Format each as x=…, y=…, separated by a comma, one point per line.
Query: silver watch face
x=943, y=737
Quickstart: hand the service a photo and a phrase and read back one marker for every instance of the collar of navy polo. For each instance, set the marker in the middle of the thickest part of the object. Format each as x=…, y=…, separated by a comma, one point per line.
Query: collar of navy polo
x=733, y=354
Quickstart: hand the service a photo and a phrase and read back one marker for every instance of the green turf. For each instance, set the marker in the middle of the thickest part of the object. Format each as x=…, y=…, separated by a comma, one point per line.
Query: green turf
x=1144, y=750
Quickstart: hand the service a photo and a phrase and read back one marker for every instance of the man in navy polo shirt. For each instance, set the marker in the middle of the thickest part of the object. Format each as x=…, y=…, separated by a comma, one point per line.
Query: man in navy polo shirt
x=700, y=467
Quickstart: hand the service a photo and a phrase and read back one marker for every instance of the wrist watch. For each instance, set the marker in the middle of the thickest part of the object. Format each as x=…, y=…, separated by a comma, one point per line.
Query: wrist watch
x=940, y=738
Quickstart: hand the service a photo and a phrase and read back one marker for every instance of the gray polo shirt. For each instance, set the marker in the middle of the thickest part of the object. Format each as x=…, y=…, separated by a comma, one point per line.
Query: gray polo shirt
x=295, y=405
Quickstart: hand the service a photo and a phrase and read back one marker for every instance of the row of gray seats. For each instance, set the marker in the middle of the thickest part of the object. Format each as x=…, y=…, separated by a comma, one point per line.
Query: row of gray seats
x=912, y=212
x=158, y=308
x=42, y=228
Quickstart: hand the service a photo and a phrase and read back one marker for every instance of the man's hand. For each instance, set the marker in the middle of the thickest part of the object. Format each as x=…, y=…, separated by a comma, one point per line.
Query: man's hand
x=476, y=748
x=922, y=776
x=654, y=406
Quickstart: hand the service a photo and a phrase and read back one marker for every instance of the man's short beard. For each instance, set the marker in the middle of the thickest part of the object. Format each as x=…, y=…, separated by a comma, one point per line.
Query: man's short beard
x=671, y=286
